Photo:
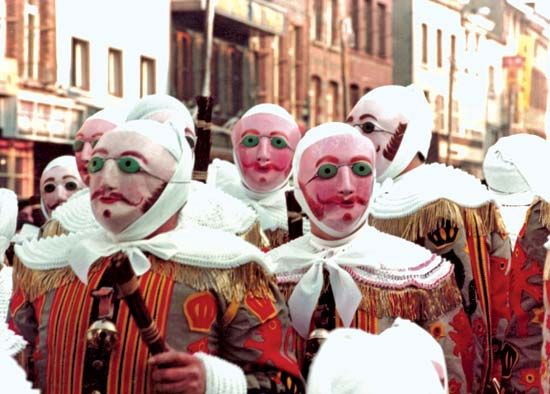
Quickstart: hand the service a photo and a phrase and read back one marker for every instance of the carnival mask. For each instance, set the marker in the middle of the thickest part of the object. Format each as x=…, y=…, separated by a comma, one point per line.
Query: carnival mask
x=264, y=144
x=386, y=115
x=128, y=173
x=85, y=140
x=58, y=182
x=336, y=178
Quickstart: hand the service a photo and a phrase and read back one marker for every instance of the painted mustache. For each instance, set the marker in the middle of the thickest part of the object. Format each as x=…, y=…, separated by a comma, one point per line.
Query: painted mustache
x=339, y=200
x=112, y=197
x=267, y=166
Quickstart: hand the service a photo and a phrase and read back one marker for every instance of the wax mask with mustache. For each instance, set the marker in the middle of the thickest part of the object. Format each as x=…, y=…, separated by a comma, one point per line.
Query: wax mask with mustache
x=60, y=180
x=91, y=131
x=335, y=177
x=264, y=140
x=398, y=120
x=128, y=172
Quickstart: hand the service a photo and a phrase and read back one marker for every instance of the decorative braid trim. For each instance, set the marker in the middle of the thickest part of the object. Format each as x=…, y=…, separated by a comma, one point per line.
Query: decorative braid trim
x=544, y=212
x=277, y=237
x=35, y=283
x=410, y=303
x=421, y=222
x=256, y=236
x=232, y=284
x=52, y=228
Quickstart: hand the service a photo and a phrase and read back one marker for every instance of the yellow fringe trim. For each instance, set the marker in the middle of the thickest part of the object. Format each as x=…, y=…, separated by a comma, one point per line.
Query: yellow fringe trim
x=428, y=218
x=232, y=284
x=256, y=236
x=421, y=222
x=52, y=228
x=410, y=303
x=277, y=237
x=35, y=283
x=544, y=213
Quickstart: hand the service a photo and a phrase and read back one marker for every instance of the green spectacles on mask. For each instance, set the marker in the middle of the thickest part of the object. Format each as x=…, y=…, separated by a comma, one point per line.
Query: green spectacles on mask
x=78, y=145
x=327, y=171
x=251, y=140
x=126, y=164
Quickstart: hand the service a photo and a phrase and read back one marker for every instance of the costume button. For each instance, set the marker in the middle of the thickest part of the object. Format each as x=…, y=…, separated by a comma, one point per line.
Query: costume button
x=329, y=254
x=96, y=392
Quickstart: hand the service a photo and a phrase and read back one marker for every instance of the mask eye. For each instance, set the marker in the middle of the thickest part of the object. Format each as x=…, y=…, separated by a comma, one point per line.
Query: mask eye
x=250, y=140
x=361, y=168
x=368, y=127
x=49, y=188
x=95, y=165
x=191, y=141
x=78, y=145
x=278, y=142
x=94, y=143
x=71, y=186
x=128, y=165
x=327, y=171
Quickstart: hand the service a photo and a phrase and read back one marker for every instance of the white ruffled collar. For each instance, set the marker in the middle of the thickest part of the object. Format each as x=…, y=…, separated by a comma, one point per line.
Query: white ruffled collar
x=425, y=184
x=270, y=207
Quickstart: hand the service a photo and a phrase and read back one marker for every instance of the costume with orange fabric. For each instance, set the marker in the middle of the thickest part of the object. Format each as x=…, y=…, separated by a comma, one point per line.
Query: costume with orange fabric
x=348, y=274
x=204, y=301
x=439, y=207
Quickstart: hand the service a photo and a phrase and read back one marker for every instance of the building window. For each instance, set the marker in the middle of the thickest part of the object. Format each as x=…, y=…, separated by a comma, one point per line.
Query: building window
x=318, y=21
x=454, y=117
x=440, y=113
x=453, y=48
x=491, y=77
x=115, y=72
x=539, y=90
x=334, y=22
x=382, y=30
x=147, y=76
x=32, y=41
x=369, y=19
x=466, y=40
x=80, y=64
x=355, y=22
x=333, y=114
x=235, y=80
x=183, y=73
x=276, y=70
x=354, y=94
x=17, y=167
x=477, y=41
x=316, y=107
x=439, y=48
x=296, y=95
x=424, y=43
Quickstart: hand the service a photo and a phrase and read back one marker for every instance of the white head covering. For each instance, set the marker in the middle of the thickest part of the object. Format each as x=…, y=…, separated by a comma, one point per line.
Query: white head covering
x=115, y=114
x=150, y=105
x=403, y=359
x=411, y=103
x=68, y=162
x=514, y=169
x=316, y=134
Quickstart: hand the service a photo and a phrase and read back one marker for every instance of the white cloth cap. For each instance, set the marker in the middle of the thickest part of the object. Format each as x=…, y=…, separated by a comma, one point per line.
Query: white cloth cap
x=415, y=109
x=517, y=163
x=115, y=114
x=403, y=359
x=314, y=135
x=153, y=104
x=273, y=109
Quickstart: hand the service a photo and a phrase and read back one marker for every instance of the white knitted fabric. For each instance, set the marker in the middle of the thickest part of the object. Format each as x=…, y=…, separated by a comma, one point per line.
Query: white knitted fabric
x=313, y=136
x=27, y=232
x=270, y=207
x=222, y=376
x=148, y=106
x=76, y=215
x=8, y=218
x=115, y=114
x=426, y=184
x=10, y=343
x=408, y=104
x=513, y=209
x=402, y=359
x=369, y=256
x=13, y=377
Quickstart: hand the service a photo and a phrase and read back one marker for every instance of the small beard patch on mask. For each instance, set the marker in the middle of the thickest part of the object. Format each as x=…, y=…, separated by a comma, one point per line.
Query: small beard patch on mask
x=390, y=151
x=154, y=197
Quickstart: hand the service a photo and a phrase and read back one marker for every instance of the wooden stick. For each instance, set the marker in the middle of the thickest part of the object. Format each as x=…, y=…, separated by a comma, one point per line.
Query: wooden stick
x=205, y=105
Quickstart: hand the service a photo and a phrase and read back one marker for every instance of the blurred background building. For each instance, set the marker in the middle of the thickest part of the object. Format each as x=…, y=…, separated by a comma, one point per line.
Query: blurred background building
x=483, y=65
